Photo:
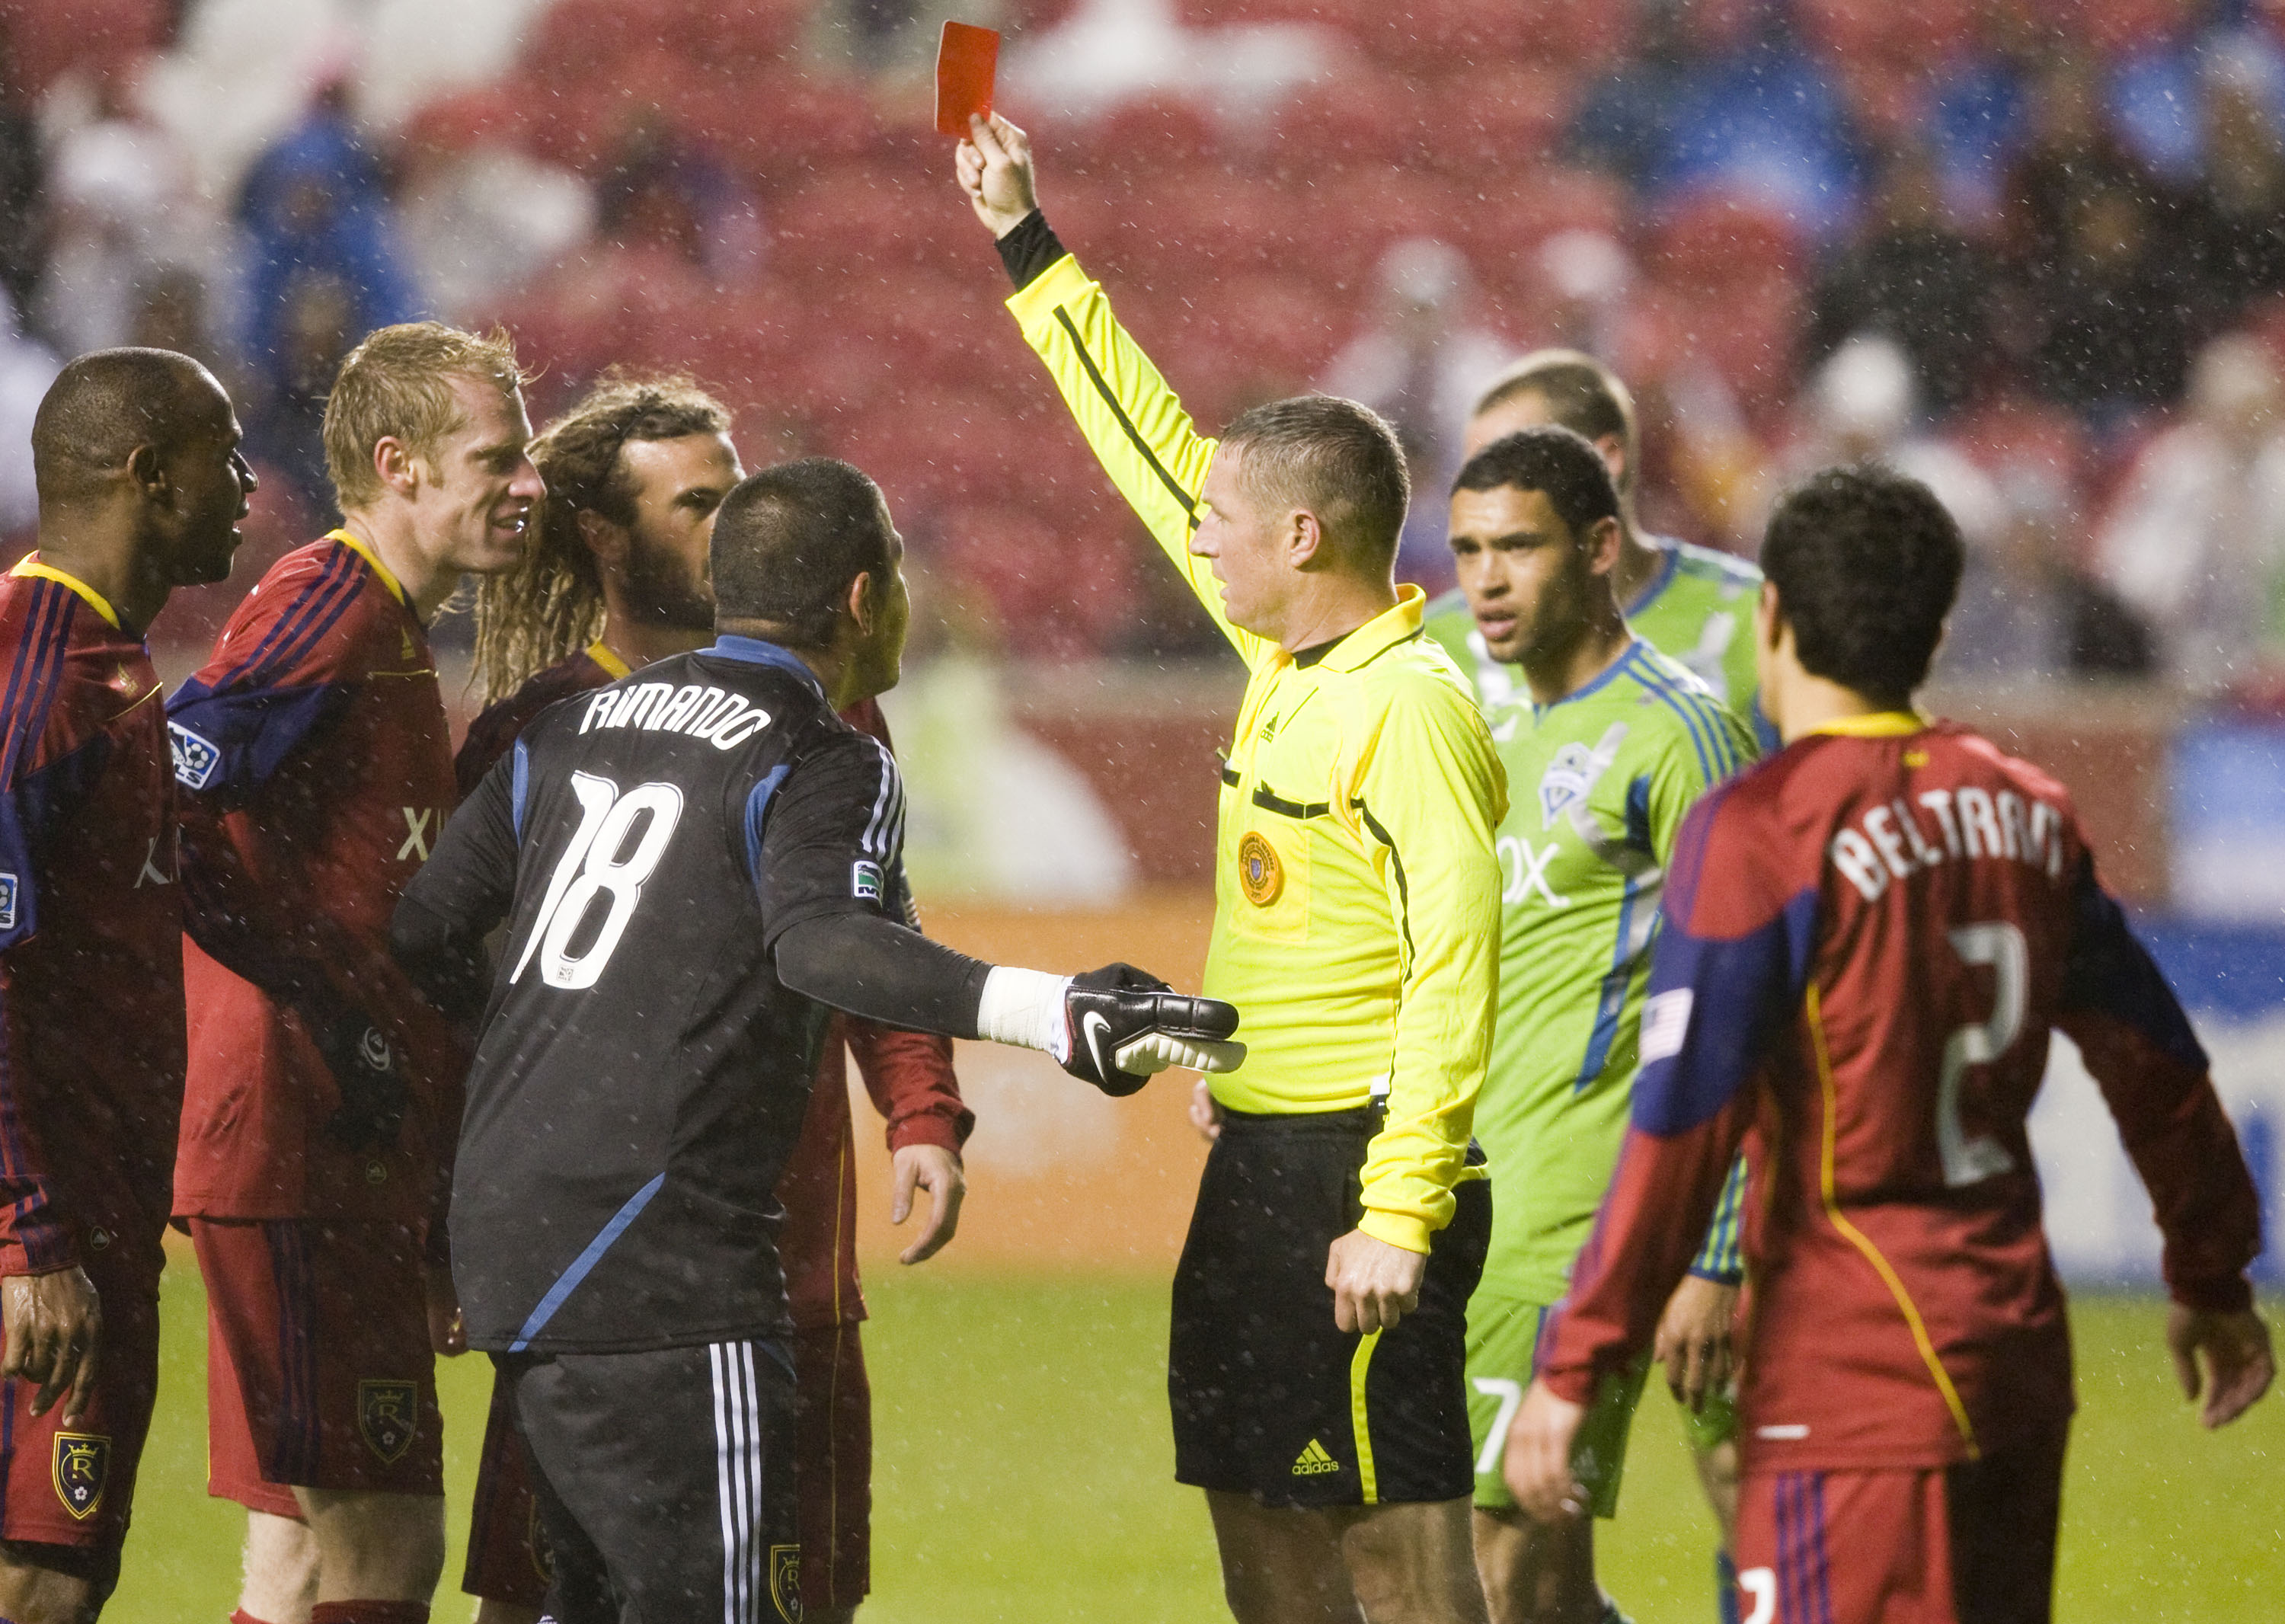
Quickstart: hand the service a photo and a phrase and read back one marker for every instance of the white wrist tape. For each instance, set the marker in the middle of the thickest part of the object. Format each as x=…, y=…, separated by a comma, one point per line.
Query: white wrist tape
x=1025, y=1007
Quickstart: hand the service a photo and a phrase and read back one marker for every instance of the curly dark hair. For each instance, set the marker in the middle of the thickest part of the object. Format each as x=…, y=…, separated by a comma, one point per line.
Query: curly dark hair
x=1866, y=563
x=551, y=605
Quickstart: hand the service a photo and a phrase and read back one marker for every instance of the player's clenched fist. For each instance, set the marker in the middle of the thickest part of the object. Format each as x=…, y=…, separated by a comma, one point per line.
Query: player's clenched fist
x=1374, y=1284
x=54, y=1324
x=995, y=166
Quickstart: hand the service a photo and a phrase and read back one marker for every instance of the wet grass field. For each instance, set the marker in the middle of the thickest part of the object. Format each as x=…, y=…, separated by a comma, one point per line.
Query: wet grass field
x=1024, y=1475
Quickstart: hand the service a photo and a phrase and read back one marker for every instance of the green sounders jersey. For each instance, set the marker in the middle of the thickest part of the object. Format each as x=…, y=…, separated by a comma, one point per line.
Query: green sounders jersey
x=1698, y=611
x=1599, y=783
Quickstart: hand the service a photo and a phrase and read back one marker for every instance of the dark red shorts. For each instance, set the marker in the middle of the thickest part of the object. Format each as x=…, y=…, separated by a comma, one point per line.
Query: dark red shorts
x=1973, y=1543
x=318, y=1370
x=833, y=1468
x=73, y=1486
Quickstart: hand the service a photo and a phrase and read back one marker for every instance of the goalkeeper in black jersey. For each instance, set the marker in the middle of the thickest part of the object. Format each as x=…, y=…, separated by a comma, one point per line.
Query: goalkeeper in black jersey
x=694, y=862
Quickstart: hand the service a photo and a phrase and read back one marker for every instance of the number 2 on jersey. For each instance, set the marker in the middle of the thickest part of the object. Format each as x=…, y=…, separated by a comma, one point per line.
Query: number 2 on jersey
x=598, y=862
x=2000, y=945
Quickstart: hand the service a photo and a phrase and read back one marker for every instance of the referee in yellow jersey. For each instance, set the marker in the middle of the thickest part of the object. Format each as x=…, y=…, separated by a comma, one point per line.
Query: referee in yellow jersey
x=1317, y=1350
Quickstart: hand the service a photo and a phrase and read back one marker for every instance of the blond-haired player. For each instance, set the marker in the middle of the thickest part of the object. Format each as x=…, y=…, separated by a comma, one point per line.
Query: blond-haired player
x=324, y=1093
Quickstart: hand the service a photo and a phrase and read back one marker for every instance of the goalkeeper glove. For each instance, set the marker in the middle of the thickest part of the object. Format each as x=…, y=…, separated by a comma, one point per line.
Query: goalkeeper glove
x=1112, y=1027
x=1121, y=1025
x=371, y=1084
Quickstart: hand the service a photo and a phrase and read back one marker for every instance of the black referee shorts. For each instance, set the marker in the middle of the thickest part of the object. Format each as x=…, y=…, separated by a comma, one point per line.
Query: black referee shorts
x=1269, y=1397
x=665, y=1482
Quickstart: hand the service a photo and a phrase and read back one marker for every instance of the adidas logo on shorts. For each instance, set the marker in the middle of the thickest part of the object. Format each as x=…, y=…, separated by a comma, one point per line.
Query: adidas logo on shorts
x=1314, y=1462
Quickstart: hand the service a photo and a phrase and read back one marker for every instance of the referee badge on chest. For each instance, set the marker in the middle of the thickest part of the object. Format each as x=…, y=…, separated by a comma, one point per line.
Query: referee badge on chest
x=80, y=1466
x=388, y=1416
x=1259, y=874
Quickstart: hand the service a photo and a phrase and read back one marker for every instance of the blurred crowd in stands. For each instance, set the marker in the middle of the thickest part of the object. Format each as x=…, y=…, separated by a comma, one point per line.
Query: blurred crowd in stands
x=2033, y=250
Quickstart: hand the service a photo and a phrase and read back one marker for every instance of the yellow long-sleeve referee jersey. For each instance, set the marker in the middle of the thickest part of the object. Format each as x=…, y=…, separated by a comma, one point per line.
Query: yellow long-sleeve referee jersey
x=1357, y=895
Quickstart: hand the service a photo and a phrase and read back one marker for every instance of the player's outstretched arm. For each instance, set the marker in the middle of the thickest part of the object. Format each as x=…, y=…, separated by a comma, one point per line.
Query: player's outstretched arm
x=1112, y=1027
x=1133, y=422
x=2224, y=1358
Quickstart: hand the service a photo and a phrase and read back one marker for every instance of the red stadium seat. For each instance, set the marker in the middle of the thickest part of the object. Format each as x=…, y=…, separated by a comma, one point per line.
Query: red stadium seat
x=2018, y=433
x=1499, y=118
x=1367, y=119
x=1434, y=38
x=47, y=39
x=734, y=37
x=1142, y=136
x=1712, y=242
x=574, y=39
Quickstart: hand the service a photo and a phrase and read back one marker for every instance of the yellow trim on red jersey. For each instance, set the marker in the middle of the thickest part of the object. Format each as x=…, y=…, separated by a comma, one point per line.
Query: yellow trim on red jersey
x=1863, y=1242
x=30, y=565
x=600, y=652
x=1879, y=725
x=365, y=551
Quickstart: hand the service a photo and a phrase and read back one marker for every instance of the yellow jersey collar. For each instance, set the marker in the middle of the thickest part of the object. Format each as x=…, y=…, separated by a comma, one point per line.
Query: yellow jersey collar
x=1879, y=725
x=1383, y=632
x=388, y=577
x=600, y=652
x=30, y=565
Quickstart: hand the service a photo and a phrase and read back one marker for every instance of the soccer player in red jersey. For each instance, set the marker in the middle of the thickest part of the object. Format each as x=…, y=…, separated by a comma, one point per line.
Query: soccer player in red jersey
x=1867, y=941
x=141, y=487
x=614, y=577
x=324, y=1094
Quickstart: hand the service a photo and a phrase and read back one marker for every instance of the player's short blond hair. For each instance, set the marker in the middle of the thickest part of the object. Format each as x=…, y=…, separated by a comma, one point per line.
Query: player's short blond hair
x=398, y=384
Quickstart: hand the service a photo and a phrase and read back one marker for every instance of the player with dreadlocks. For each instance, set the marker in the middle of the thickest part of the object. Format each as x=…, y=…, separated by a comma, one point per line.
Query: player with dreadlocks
x=612, y=578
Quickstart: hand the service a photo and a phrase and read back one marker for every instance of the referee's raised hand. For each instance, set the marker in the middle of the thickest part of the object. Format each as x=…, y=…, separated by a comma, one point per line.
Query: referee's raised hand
x=995, y=167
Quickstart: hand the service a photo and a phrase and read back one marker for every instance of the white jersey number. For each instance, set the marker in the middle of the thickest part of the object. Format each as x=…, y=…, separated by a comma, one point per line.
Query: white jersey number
x=2000, y=945
x=599, y=860
x=1510, y=1394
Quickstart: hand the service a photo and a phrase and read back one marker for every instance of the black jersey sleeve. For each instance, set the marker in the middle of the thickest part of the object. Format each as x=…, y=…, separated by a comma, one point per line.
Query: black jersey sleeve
x=825, y=834
x=464, y=889
x=883, y=971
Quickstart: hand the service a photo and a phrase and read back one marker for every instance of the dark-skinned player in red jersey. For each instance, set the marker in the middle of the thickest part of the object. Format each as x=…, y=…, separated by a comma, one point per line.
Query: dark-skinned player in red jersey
x=141, y=487
x=324, y=1093
x=1867, y=940
x=613, y=577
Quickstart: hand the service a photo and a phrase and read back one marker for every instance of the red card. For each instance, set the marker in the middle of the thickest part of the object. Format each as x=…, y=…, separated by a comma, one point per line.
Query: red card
x=964, y=65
